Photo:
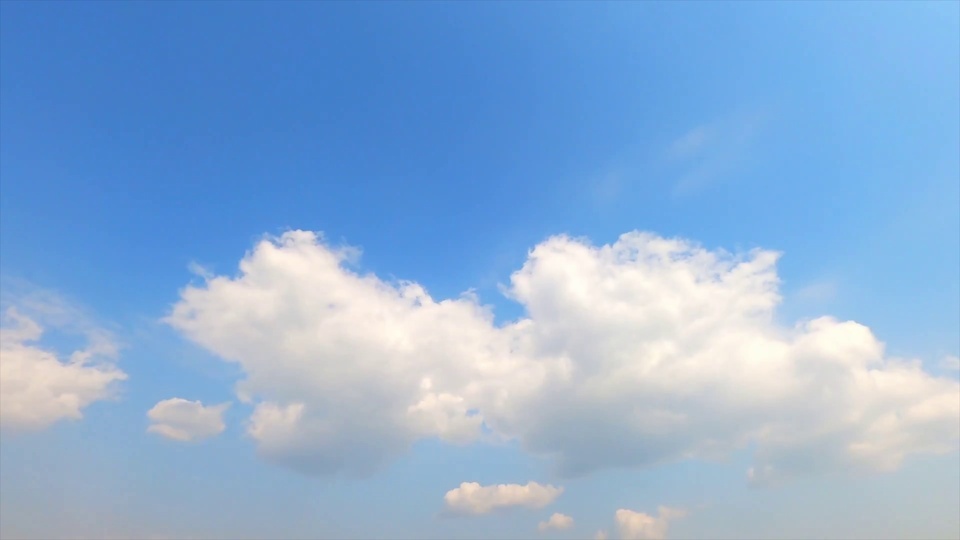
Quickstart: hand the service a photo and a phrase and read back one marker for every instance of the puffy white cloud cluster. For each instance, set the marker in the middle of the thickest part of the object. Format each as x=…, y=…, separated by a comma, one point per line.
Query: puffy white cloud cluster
x=38, y=388
x=630, y=354
x=472, y=498
x=557, y=522
x=183, y=420
x=346, y=369
x=639, y=526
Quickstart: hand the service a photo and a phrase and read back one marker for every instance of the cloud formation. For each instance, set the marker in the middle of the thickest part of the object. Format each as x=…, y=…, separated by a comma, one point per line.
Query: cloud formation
x=557, y=522
x=38, y=388
x=639, y=526
x=183, y=420
x=630, y=354
x=472, y=498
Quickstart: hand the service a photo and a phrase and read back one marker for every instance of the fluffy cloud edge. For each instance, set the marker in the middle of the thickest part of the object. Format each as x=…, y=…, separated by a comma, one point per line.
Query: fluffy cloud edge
x=556, y=522
x=622, y=340
x=186, y=421
x=471, y=498
x=39, y=386
x=633, y=525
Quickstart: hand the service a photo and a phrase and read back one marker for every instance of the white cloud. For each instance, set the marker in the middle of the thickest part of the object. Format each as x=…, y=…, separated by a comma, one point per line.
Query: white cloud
x=183, y=420
x=472, y=498
x=631, y=354
x=557, y=522
x=38, y=387
x=674, y=352
x=345, y=370
x=639, y=526
x=600, y=535
x=951, y=362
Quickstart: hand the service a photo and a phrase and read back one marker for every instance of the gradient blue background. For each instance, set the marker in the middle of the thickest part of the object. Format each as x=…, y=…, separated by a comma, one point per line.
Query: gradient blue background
x=446, y=139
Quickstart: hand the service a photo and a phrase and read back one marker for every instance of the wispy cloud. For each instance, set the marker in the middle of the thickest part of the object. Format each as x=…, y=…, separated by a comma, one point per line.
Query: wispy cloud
x=950, y=362
x=616, y=176
x=711, y=151
x=692, y=142
x=52, y=309
x=817, y=292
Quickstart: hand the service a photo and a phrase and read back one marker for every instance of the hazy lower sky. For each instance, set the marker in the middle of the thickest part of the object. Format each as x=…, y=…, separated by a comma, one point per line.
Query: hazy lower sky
x=480, y=270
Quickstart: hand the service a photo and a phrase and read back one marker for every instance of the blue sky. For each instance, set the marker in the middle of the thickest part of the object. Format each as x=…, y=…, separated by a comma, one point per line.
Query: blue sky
x=451, y=143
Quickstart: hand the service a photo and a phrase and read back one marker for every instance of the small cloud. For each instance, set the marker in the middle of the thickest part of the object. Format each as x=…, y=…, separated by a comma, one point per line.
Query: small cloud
x=472, y=498
x=639, y=526
x=200, y=271
x=950, y=362
x=183, y=420
x=557, y=522
x=601, y=535
x=39, y=386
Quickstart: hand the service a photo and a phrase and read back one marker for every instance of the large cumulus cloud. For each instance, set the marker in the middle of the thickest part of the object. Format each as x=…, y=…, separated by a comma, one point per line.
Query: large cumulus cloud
x=630, y=354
